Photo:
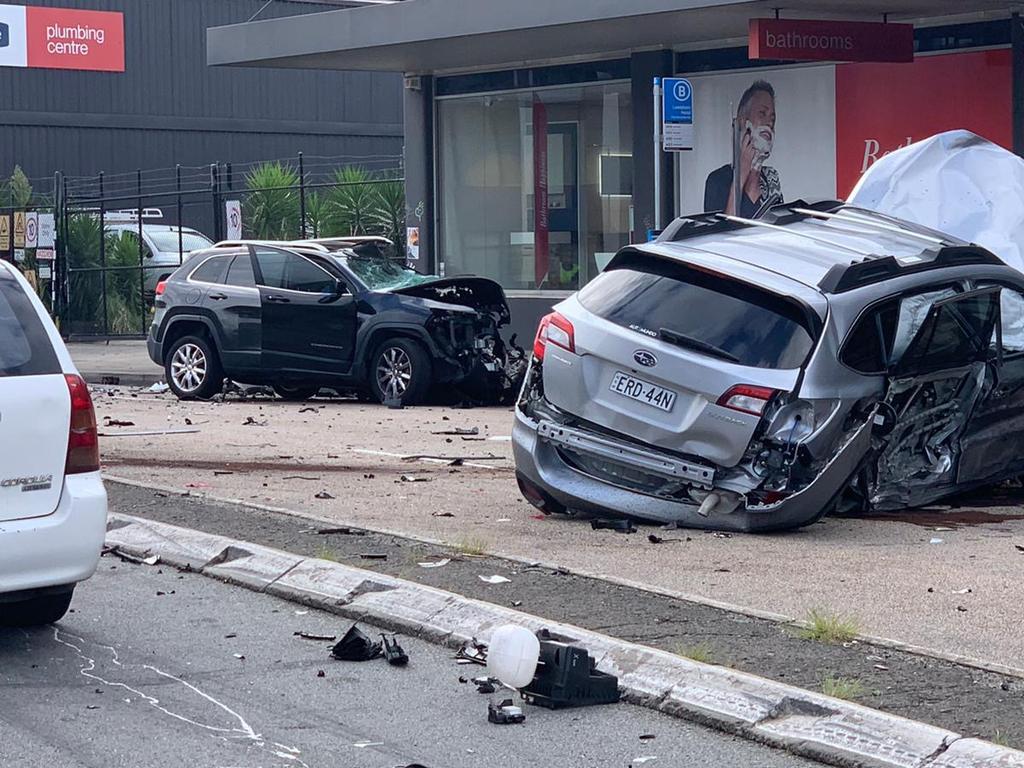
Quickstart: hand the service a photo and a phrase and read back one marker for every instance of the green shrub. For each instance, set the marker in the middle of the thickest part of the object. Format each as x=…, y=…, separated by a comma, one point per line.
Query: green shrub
x=271, y=208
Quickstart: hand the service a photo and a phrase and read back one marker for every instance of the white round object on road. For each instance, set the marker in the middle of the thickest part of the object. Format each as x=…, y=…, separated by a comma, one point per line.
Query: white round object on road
x=513, y=655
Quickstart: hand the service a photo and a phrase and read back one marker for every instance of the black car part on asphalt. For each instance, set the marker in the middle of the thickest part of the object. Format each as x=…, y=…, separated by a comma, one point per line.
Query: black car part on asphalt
x=300, y=316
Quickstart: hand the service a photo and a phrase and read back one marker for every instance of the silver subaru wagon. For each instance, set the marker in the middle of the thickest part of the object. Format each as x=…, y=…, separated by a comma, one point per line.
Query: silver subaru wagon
x=755, y=375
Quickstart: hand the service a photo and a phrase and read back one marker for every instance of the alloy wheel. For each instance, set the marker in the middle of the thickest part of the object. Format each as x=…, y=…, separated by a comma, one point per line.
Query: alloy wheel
x=394, y=372
x=188, y=367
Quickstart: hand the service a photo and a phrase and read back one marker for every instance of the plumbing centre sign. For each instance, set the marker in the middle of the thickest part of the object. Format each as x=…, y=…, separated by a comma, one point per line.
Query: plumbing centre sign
x=61, y=38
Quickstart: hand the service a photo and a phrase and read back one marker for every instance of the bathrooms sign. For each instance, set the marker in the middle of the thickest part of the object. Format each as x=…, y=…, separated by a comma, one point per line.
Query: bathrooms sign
x=61, y=38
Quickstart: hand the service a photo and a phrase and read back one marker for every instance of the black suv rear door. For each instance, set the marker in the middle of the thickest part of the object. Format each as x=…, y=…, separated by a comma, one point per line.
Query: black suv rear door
x=231, y=295
x=309, y=314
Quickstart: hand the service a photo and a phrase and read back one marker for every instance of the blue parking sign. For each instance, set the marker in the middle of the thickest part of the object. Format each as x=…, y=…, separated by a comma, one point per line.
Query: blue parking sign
x=677, y=114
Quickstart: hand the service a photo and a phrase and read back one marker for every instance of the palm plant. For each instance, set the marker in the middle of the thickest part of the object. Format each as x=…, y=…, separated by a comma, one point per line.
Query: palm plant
x=271, y=209
x=351, y=202
x=388, y=216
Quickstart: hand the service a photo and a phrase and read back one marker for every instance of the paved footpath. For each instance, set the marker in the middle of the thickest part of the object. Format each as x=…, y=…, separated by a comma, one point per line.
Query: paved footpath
x=156, y=668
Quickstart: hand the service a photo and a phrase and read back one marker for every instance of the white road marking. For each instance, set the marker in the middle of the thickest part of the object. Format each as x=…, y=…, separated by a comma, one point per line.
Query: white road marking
x=244, y=730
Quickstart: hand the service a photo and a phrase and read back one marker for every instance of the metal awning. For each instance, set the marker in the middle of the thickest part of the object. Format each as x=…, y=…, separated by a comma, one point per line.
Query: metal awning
x=423, y=36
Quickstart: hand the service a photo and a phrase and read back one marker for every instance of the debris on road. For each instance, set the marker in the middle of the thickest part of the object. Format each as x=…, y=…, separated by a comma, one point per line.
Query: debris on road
x=473, y=652
x=485, y=684
x=250, y=421
x=323, y=495
x=150, y=432
x=300, y=477
x=130, y=558
x=309, y=409
x=356, y=646
x=412, y=479
x=459, y=431
x=659, y=540
x=495, y=579
x=420, y=456
x=504, y=713
x=109, y=421
x=373, y=556
x=344, y=530
x=567, y=676
x=314, y=636
x=435, y=563
x=158, y=389
x=449, y=514
x=619, y=525
x=935, y=541
x=393, y=652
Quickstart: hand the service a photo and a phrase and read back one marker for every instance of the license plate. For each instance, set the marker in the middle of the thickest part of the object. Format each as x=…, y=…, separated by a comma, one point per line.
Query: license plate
x=643, y=391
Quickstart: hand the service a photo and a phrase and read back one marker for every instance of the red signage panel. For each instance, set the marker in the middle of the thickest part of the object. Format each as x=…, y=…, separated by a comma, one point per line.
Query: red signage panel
x=881, y=108
x=64, y=38
x=811, y=40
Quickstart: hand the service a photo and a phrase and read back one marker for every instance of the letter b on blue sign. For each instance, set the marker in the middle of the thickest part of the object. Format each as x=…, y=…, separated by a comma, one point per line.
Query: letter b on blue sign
x=5, y=35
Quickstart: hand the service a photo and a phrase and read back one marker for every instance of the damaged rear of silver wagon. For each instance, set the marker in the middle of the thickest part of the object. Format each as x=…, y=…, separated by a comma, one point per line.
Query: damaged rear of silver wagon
x=753, y=375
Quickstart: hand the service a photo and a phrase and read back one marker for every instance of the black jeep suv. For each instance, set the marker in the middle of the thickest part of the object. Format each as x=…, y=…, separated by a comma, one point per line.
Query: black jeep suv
x=301, y=316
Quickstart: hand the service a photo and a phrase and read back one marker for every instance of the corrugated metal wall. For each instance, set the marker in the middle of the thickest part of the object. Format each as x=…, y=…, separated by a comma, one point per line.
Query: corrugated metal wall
x=169, y=107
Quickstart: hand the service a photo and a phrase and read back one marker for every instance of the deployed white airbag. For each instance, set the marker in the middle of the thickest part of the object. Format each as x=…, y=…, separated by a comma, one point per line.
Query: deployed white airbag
x=955, y=182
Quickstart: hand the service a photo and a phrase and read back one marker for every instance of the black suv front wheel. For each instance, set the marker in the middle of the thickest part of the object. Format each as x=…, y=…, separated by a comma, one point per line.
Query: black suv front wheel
x=193, y=369
x=400, y=372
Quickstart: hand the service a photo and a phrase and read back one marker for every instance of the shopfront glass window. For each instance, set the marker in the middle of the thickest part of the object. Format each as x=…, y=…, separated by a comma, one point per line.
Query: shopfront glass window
x=534, y=214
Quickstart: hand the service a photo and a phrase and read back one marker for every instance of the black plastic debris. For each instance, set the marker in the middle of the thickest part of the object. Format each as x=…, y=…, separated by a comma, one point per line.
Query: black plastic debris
x=567, y=677
x=619, y=525
x=343, y=530
x=356, y=646
x=459, y=431
x=322, y=495
x=393, y=652
x=486, y=684
x=505, y=713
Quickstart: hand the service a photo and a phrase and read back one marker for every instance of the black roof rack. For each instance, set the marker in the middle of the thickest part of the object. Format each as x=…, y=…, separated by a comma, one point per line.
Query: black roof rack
x=877, y=269
x=714, y=222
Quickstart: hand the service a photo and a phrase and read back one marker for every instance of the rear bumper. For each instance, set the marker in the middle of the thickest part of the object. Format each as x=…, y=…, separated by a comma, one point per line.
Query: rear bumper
x=539, y=462
x=60, y=549
x=155, y=349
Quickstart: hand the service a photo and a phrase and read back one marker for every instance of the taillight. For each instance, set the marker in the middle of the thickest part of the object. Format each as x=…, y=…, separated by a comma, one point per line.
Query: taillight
x=83, y=442
x=556, y=329
x=747, y=398
x=160, y=287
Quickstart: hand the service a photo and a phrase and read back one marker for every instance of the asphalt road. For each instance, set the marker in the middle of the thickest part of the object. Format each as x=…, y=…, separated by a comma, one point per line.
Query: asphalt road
x=157, y=668
x=946, y=579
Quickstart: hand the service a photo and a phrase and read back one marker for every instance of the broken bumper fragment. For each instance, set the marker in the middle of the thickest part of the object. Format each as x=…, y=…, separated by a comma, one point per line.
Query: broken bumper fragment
x=579, y=470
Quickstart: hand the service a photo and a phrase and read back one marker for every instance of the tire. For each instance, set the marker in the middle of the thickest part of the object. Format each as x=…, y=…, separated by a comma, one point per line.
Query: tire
x=400, y=370
x=193, y=369
x=44, y=609
x=296, y=393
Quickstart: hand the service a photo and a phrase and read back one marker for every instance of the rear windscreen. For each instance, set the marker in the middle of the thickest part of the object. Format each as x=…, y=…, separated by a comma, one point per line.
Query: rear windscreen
x=25, y=348
x=703, y=312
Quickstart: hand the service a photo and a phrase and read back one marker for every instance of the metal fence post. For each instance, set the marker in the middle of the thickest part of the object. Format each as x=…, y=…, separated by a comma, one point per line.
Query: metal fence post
x=215, y=199
x=62, y=255
x=103, y=257
x=302, y=199
x=181, y=224
x=142, y=268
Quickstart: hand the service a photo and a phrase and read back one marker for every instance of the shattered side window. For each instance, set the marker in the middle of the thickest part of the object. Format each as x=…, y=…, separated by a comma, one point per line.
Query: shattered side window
x=955, y=332
x=913, y=311
x=1011, y=304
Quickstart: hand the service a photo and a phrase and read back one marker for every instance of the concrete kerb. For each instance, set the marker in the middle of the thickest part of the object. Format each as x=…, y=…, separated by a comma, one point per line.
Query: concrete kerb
x=806, y=723
x=882, y=642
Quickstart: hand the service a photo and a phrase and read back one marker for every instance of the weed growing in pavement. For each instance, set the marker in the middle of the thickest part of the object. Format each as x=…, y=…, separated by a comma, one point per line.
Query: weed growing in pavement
x=842, y=687
x=1000, y=738
x=829, y=628
x=326, y=553
x=472, y=546
x=701, y=652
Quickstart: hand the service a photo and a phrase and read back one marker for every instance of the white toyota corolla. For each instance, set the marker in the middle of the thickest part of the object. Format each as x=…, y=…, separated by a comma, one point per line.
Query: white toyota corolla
x=53, y=508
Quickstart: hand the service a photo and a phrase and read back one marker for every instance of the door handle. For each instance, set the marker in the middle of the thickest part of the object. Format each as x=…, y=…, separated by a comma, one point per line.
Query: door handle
x=217, y=296
x=278, y=299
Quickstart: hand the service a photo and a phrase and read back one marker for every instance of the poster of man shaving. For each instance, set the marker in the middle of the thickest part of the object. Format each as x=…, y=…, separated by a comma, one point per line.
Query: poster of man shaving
x=785, y=129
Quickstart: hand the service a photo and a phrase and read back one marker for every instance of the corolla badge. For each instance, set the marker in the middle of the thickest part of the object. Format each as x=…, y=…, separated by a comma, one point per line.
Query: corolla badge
x=645, y=358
